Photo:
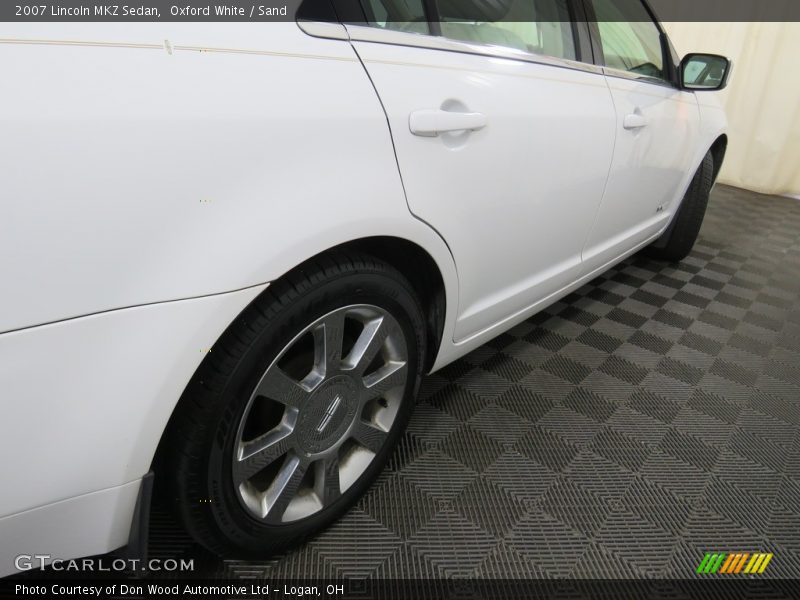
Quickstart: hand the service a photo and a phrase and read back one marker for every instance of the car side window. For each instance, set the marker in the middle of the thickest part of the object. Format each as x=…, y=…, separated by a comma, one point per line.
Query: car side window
x=536, y=26
x=397, y=15
x=630, y=39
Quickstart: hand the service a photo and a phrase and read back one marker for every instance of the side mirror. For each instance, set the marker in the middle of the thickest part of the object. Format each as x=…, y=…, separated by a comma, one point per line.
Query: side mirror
x=705, y=72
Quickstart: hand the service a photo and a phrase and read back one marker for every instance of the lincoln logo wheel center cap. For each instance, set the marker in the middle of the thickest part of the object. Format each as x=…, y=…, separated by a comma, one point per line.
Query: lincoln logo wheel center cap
x=327, y=415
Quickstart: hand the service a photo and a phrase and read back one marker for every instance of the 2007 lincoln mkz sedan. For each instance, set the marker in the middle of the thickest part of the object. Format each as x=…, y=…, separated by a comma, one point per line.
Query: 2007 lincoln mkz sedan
x=230, y=251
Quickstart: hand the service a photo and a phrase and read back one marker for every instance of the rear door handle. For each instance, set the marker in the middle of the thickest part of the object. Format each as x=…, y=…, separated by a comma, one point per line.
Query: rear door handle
x=430, y=123
x=634, y=121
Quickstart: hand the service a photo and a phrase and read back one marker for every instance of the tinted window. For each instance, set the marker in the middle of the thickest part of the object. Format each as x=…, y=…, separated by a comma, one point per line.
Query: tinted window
x=630, y=39
x=537, y=26
x=397, y=15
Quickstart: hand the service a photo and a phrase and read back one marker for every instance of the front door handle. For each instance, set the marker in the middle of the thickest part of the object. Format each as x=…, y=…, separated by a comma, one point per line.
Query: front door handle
x=430, y=123
x=634, y=121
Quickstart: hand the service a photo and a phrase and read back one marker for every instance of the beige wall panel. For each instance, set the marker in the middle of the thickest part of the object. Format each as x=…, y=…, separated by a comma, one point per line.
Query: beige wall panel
x=762, y=100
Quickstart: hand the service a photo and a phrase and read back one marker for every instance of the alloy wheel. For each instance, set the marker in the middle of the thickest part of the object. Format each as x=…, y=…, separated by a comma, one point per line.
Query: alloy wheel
x=320, y=413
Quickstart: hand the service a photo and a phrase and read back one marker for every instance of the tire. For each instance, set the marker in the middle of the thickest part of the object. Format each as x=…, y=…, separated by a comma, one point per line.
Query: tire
x=239, y=457
x=678, y=240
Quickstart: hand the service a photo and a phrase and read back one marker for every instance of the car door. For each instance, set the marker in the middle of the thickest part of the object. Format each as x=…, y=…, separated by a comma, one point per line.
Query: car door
x=658, y=128
x=503, y=138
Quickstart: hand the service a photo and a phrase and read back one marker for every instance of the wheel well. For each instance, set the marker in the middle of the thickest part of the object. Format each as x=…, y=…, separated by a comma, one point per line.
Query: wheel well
x=421, y=271
x=718, y=149
x=416, y=265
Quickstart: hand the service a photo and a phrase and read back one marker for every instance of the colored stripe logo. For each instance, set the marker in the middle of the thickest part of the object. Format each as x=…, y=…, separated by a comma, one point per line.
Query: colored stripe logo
x=732, y=563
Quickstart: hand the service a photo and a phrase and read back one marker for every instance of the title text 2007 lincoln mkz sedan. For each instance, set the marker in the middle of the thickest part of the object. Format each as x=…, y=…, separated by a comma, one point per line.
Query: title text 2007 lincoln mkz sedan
x=230, y=251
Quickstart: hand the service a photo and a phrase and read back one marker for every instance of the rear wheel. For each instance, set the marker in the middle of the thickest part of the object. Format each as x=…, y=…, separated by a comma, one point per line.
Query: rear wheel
x=298, y=406
x=679, y=239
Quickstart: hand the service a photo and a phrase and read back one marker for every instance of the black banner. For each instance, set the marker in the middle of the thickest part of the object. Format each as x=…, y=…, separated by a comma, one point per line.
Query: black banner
x=148, y=10
x=399, y=589
x=286, y=10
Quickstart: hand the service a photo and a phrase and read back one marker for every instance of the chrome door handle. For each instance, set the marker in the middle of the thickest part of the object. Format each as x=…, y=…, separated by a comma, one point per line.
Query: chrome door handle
x=430, y=123
x=634, y=121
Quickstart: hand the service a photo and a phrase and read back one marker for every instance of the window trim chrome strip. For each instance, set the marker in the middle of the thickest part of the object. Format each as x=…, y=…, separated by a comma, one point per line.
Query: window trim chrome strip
x=368, y=33
x=621, y=74
x=323, y=29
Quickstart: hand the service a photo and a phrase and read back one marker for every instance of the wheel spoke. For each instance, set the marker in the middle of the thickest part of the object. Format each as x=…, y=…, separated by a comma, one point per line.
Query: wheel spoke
x=328, y=487
x=385, y=379
x=260, y=453
x=277, y=385
x=370, y=437
x=328, y=338
x=283, y=488
x=368, y=345
x=319, y=380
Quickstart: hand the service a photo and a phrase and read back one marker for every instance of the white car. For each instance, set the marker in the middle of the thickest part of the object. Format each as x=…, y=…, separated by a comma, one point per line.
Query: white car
x=230, y=251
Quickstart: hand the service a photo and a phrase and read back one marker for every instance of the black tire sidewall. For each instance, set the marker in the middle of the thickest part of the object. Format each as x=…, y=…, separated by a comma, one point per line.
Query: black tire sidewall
x=235, y=527
x=679, y=239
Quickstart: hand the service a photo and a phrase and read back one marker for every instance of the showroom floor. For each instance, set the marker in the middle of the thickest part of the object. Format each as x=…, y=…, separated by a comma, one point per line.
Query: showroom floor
x=650, y=417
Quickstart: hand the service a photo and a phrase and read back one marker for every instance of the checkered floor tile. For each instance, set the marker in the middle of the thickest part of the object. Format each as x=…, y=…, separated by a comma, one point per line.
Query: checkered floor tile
x=648, y=418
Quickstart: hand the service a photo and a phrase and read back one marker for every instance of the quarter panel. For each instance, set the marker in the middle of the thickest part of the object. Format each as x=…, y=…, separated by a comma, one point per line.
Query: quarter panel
x=163, y=161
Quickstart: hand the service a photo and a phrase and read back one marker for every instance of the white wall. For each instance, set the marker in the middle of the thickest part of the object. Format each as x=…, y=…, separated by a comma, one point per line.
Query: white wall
x=762, y=100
